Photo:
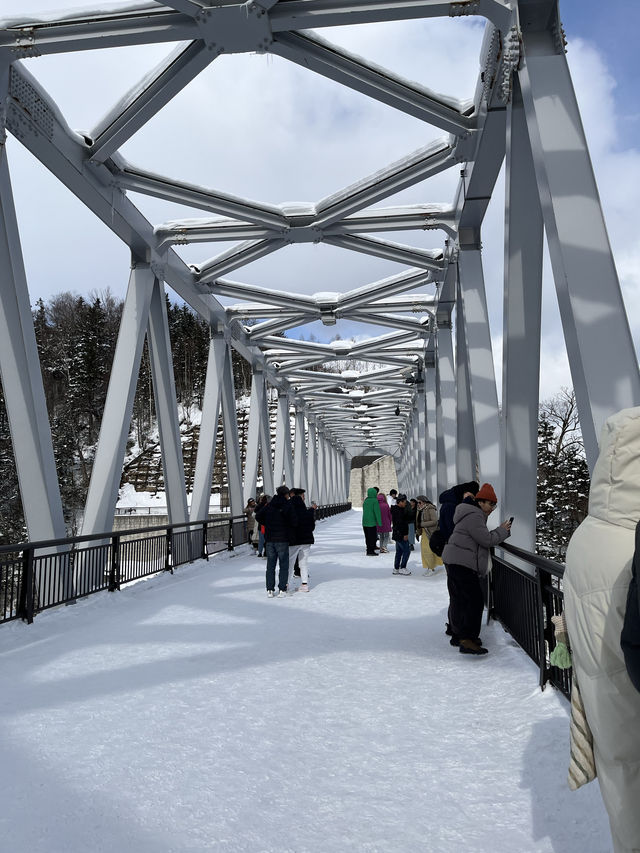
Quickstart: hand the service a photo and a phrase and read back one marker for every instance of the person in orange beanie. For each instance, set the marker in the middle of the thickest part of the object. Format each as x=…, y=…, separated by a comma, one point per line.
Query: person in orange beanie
x=466, y=556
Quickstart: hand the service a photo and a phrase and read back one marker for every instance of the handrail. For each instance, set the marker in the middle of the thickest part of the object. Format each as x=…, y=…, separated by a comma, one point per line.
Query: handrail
x=524, y=604
x=556, y=569
x=35, y=576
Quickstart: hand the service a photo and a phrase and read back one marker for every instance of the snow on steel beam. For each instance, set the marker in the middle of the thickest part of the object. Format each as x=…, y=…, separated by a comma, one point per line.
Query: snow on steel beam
x=423, y=258
x=419, y=217
x=394, y=322
x=210, y=231
x=138, y=180
x=363, y=296
x=271, y=327
x=410, y=170
x=294, y=302
x=91, y=29
x=144, y=100
x=449, y=114
x=36, y=121
x=419, y=303
x=236, y=257
x=303, y=15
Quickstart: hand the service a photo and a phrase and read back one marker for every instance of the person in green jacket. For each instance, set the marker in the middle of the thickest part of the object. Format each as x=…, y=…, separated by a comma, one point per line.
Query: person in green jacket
x=371, y=518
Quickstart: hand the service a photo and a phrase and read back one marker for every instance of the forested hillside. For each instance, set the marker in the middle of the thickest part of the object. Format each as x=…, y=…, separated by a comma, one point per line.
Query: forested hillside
x=76, y=341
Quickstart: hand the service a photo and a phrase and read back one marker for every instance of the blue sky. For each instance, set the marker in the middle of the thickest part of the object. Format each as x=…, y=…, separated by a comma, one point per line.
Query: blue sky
x=614, y=26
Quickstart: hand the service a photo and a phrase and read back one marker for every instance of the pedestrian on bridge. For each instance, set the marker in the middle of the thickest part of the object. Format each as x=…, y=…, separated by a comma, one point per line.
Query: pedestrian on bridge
x=384, y=530
x=371, y=520
x=596, y=585
x=426, y=523
x=278, y=519
x=466, y=556
x=301, y=538
x=400, y=535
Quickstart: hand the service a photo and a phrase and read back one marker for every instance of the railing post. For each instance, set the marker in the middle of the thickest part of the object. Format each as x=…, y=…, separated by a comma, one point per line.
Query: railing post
x=25, y=605
x=230, y=539
x=541, y=627
x=168, y=567
x=114, y=573
x=205, y=552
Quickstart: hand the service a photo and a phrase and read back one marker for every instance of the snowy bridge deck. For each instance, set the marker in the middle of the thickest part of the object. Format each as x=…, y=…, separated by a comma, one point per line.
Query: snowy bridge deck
x=191, y=713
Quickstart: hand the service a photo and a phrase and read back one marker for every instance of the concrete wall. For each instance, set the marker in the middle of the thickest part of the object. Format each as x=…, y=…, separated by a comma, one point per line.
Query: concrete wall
x=380, y=473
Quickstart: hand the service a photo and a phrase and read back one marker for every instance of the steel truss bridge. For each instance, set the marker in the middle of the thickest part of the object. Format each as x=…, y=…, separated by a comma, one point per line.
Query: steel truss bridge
x=430, y=398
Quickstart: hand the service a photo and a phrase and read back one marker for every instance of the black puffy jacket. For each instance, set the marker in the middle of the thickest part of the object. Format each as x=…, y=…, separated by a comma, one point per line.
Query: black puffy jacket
x=278, y=518
x=302, y=533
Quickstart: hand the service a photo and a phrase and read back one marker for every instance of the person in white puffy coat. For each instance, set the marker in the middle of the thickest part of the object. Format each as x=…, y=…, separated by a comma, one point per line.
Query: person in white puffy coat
x=596, y=582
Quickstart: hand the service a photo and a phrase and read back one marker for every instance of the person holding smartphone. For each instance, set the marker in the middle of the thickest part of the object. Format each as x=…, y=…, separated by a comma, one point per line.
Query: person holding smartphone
x=466, y=556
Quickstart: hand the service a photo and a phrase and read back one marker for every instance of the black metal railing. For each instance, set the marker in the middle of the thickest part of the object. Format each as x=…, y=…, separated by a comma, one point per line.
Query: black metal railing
x=524, y=602
x=36, y=576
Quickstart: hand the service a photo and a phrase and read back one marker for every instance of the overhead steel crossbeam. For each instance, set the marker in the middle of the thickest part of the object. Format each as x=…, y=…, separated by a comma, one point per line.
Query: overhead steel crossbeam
x=416, y=376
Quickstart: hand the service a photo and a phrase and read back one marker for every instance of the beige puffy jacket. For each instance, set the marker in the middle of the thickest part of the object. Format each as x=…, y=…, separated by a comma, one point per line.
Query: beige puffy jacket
x=596, y=581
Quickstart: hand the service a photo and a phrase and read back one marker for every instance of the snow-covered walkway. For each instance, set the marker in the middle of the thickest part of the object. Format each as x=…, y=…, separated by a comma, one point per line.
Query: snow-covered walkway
x=191, y=713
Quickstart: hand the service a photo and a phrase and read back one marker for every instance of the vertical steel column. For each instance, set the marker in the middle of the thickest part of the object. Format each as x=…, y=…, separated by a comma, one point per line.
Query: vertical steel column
x=431, y=450
x=423, y=451
x=164, y=393
x=521, y=321
x=300, y=450
x=415, y=468
x=446, y=409
x=22, y=380
x=265, y=444
x=602, y=357
x=231, y=440
x=116, y=418
x=312, y=463
x=322, y=466
x=208, y=429
x=466, y=455
x=282, y=469
x=253, y=434
x=482, y=379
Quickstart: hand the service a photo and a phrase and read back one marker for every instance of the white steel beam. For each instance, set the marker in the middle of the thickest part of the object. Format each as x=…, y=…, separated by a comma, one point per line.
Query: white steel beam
x=521, y=329
x=143, y=101
x=482, y=381
x=164, y=392
x=431, y=451
x=231, y=442
x=602, y=357
x=423, y=258
x=201, y=496
x=22, y=381
x=256, y=413
x=413, y=169
x=300, y=14
x=445, y=410
x=466, y=453
x=409, y=97
x=116, y=419
x=300, y=453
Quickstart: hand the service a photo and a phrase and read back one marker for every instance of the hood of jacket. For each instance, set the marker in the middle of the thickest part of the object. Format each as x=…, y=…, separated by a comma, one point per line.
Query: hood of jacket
x=449, y=496
x=464, y=509
x=614, y=495
x=371, y=493
x=381, y=498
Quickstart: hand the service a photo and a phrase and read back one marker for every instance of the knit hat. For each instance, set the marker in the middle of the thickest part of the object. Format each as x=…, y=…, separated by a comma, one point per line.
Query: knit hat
x=487, y=493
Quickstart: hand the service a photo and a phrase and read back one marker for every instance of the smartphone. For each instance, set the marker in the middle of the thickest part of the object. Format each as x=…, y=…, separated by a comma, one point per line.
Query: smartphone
x=511, y=520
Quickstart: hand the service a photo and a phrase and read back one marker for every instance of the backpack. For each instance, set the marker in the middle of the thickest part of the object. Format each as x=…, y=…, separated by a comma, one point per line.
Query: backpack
x=437, y=542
